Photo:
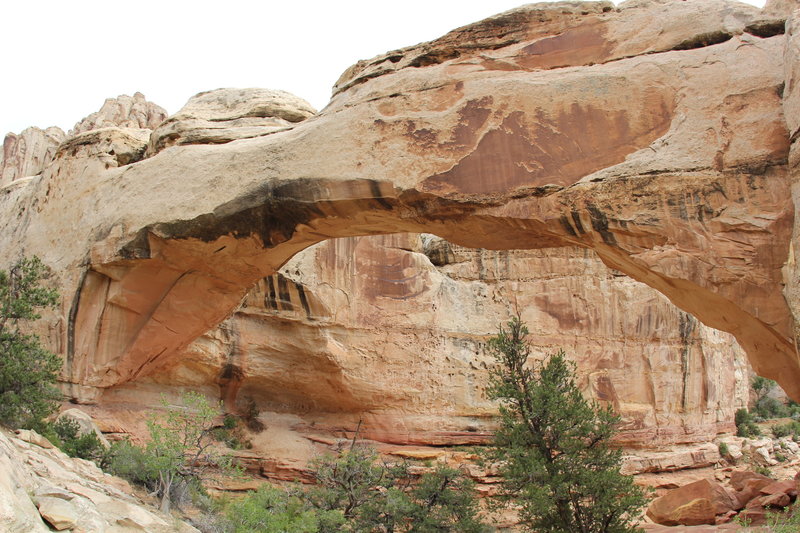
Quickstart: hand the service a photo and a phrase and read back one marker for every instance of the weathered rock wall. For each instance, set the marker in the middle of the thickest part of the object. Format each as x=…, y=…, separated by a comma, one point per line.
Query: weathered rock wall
x=28, y=153
x=393, y=330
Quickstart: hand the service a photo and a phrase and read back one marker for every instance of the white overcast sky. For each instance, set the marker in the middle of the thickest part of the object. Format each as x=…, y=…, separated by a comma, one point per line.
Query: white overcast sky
x=61, y=60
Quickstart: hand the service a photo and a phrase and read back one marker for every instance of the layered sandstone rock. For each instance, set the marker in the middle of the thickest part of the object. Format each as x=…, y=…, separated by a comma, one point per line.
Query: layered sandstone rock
x=225, y=115
x=42, y=487
x=28, y=153
x=124, y=111
x=654, y=136
x=392, y=330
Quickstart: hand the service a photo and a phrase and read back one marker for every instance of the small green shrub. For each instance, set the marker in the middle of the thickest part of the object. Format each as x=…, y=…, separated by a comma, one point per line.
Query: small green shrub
x=723, y=449
x=781, y=458
x=787, y=521
x=71, y=442
x=229, y=422
x=769, y=408
x=231, y=434
x=745, y=425
x=270, y=510
x=763, y=470
x=130, y=462
x=785, y=430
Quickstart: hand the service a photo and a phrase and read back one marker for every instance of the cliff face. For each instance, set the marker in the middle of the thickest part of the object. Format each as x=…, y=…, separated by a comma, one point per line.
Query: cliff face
x=392, y=329
x=28, y=153
x=656, y=137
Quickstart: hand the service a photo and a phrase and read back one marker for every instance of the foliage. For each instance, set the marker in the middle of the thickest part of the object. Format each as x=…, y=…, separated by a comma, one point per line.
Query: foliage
x=745, y=425
x=270, y=510
x=232, y=434
x=766, y=406
x=179, y=453
x=444, y=500
x=250, y=416
x=27, y=370
x=553, y=445
x=763, y=470
x=787, y=521
x=365, y=494
x=723, y=449
x=75, y=444
x=784, y=430
x=762, y=386
x=131, y=462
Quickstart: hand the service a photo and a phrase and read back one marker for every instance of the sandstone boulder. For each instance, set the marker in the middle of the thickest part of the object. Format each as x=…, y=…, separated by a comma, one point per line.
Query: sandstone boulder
x=693, y=504
x=59, y=513
x=224, y=115
x=739, y=479
x=694, y=513
x=29, y=435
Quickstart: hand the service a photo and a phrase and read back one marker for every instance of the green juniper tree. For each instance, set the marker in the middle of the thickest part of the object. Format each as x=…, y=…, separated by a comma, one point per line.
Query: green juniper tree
x=553, y=445
x=27, y=370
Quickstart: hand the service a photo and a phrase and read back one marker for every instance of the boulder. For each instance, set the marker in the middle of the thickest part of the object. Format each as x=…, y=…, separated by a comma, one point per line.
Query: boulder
x=59, y=513
x=780, y=487
x=740, y=477
x=694, y=513
x=692, y=504
x=754, y=516
x=750, y=490
x=43, y=484
x=29, y=435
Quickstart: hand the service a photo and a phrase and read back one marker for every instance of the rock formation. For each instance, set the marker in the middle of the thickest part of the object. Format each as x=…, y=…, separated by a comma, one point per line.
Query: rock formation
x=655, y=136
x=225, y=115
x=28, y=153
x=391, y=330
x=42, y=489
x=123, y=112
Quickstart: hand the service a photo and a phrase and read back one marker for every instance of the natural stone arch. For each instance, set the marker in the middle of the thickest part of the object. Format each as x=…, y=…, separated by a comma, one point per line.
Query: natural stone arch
x=486, y=140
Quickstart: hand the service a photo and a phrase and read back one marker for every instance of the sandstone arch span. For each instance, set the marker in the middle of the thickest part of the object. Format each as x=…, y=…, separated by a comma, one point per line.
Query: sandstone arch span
x=664, y=149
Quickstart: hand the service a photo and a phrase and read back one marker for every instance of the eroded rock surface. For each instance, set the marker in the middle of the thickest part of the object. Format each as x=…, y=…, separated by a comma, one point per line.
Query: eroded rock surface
x=28, y=153
x=657, y=135
x=392, y=330
x=124, y=111
x=41, y=485
x=224, y=115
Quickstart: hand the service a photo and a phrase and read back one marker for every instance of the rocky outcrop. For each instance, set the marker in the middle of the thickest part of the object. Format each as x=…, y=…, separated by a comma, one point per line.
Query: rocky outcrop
x=42, y=489
x=28, y=153
x=124, y=111
x=661, y=145
x=225, y=115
